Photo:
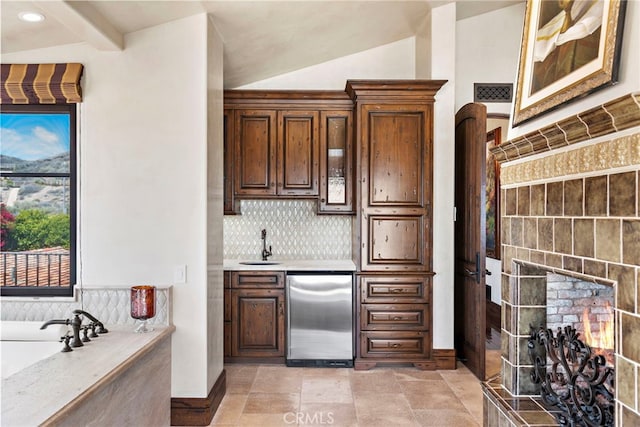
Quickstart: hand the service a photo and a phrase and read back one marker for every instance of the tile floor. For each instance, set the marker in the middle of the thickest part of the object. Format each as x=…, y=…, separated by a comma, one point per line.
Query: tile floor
x=275, y=395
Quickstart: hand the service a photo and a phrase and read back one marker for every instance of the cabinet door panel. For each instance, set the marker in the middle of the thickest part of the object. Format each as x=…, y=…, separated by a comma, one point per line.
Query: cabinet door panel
x=396, y=158
x=255, y=144
x=395, y=240
x=336, y=162
x=258, y=323
x=298, y=153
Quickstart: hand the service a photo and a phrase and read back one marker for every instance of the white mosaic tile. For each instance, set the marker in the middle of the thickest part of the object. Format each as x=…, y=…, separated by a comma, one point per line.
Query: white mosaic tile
x=294, y=231
x=109, y=305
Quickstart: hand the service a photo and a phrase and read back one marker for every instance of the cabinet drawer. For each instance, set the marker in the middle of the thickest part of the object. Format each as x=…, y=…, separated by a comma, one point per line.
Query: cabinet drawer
x=395, y=344
x=394, y=317
x=257, y=279
x=395, y=289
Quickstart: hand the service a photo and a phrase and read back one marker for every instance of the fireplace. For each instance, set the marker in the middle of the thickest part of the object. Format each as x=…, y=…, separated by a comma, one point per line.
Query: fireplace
x=570, y=216
x=572, y=352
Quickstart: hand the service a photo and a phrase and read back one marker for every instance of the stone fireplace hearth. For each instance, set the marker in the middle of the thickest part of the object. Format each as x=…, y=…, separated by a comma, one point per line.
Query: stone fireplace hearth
x=573, y=211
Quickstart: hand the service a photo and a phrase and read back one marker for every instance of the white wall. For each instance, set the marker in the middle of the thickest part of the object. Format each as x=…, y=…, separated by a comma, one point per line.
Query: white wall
x=487, y=51
x=143, y=146
x=215, y=236
x=391, y=61
x=443, y=36
x=629, y=78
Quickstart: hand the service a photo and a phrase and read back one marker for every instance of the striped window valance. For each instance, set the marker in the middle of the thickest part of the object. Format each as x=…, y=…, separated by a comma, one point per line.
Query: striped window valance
x=41, y=83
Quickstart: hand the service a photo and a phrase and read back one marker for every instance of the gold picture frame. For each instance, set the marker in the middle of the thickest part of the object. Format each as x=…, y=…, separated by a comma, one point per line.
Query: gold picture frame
x=566, y=53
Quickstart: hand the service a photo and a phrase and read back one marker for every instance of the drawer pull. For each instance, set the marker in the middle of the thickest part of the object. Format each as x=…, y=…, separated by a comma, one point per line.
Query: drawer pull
x=397, y=318
x=396, y=290
x=395, y=345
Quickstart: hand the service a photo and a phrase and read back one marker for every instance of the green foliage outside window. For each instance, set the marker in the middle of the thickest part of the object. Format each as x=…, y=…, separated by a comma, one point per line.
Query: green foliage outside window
x=36, y=229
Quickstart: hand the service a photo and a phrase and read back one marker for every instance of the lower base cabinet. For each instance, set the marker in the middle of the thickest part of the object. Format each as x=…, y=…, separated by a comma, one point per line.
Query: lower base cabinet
x=394, y=319
x=255, y=309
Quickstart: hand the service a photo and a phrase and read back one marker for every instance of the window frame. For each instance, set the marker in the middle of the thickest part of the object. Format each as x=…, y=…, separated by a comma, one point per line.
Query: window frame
x=71, y=111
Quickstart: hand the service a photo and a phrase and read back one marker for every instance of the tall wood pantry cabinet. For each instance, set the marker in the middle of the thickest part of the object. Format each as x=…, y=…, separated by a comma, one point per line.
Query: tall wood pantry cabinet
x=393, y=226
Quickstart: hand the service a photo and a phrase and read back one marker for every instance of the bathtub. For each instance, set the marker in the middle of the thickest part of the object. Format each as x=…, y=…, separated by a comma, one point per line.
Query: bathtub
x=23, y=344
x=119, y=379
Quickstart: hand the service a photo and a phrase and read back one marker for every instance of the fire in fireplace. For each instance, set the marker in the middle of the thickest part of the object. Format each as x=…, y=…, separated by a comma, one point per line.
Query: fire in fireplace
x=574, y=366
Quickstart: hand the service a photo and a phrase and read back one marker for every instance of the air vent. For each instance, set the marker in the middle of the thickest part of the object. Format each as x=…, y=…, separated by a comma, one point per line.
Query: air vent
x=492, y=92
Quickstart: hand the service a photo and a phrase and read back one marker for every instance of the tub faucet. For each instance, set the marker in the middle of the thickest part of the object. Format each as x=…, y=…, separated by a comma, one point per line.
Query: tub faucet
x=265, y=253
x=75, y=326
x=100, y=329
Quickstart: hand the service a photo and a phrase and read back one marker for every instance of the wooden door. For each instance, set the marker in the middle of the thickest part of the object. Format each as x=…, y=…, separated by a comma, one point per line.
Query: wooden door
x=257, y=327
x=298, y=153
x=255, y=152
x=470, y=302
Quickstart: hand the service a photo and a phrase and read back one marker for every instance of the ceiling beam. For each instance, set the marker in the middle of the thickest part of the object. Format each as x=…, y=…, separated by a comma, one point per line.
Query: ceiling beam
x=86, y=22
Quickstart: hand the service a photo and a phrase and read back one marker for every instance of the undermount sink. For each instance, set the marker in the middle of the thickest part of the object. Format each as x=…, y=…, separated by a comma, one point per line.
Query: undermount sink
x=259, y=262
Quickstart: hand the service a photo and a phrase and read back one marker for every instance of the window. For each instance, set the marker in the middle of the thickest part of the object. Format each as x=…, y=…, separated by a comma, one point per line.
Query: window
x=38, y=200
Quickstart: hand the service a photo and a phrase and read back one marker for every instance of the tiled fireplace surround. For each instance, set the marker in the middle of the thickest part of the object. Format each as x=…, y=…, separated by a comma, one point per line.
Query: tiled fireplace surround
x=571, y=206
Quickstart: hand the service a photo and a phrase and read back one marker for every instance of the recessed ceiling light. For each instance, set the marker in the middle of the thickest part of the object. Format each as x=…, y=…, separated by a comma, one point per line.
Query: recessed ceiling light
x=31, y=16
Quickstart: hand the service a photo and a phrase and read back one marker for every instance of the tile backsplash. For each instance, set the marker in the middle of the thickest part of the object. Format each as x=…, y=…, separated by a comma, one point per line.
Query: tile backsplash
x=294, y=231
x=111, y=305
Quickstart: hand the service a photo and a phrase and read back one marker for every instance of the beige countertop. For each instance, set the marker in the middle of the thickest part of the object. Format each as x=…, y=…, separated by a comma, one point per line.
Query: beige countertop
x=51, y=386
x=290, y=265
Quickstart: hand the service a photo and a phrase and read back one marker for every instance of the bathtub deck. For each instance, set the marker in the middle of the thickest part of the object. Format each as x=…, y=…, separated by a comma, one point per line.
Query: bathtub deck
x=58, y=389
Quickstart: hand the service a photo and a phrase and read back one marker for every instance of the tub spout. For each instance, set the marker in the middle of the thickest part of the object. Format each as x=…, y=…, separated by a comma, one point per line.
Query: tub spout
x=55, y=322
x=75, y=326
x=100, y=329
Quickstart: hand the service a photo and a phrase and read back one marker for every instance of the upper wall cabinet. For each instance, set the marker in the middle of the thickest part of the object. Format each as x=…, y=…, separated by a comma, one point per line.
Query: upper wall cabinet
x=336, y=162
x=289, y=144
x=255, y=153
x=297, y=165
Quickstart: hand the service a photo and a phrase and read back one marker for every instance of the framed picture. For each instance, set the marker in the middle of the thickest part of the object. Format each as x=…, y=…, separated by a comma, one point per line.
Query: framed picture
x=493, y=196
x=569, y=49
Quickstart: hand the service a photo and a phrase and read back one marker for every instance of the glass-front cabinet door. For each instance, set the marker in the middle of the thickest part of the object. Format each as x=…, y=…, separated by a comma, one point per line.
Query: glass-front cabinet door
x=336, y=162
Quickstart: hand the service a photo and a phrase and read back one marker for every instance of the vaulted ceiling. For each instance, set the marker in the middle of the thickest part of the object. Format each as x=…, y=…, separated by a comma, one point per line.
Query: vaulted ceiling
x=261, y=38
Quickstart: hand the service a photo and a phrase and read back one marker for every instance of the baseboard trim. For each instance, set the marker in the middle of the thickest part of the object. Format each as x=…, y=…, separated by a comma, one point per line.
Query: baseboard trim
x=186, y=411
x=445, y=358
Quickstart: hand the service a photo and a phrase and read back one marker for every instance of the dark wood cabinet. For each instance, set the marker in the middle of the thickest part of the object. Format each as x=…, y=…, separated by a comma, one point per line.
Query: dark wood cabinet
x=255, y=307
x=393, y=231
x=336, y=162
x=257, y=325
x=298, y=151
x=396, y=186
x=290, y=144
x=255, y=153
x=230, y=204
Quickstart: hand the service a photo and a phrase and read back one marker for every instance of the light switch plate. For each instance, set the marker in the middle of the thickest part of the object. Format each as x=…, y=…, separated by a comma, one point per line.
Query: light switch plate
x=180, y=274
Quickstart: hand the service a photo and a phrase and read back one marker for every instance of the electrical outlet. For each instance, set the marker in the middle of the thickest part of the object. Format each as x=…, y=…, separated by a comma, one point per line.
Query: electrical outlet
x=180, y=274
